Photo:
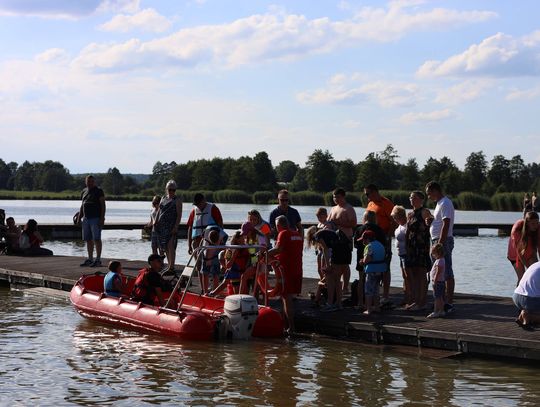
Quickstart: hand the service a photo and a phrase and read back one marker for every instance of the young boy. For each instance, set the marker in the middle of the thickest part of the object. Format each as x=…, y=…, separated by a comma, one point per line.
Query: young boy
x=438, y=281
x=210, y=266
x=374, y=267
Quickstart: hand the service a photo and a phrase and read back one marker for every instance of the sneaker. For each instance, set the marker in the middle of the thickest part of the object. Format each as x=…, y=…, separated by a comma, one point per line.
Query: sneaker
x=96, y=263
x=86, y=263
x=449, y=308
x=436, y=315
x=329, y=308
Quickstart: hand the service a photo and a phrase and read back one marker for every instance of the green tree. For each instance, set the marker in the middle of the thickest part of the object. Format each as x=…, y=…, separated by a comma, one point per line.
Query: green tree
x=299, y=182
x=519, y=174
x=52, y=176
x=410, y=176
x=320, y=171
x=499, y=174
x=264, y=174
x=113, y=182
x=242, y=175
x=182, y=174
x=286, y=170
x=5, y=174
x=475, y=172
x=346, y=174
x=24, y=177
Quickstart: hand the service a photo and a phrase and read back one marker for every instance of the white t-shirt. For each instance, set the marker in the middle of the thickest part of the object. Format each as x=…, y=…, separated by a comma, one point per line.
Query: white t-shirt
x=441, y=263
x=443, y=210
x=401, y=244
x=529, y=285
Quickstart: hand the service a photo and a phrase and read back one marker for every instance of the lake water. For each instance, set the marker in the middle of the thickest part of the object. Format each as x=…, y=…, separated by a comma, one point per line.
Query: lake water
x=480, y=263
x=52, y=356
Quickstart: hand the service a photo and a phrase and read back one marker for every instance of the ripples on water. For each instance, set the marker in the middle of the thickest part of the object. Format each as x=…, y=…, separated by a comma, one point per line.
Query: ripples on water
x=52, y=356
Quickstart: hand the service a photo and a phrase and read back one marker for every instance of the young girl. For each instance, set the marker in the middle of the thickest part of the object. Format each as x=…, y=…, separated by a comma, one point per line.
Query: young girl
x=113, y=284
x=323, y=253
x=400, y=217
x=235, y=262
x=437, y=279
x=156, y=248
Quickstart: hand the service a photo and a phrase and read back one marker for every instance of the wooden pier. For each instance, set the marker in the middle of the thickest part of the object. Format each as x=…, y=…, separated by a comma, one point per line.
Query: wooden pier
x=481, y=325
x=71, y=231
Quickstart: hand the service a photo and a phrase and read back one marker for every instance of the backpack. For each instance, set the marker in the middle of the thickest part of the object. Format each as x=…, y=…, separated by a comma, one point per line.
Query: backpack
x=140, y=288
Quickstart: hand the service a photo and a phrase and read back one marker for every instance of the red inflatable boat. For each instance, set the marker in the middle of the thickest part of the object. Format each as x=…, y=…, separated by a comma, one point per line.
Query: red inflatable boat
x=199, y=317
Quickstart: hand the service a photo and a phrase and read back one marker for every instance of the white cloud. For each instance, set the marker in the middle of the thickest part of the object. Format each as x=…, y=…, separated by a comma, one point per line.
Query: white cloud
x=64, y=8
x=434, y=116
x=356, y=89
x=527, y=94
x=500, y=55
x=272, y=36
x=52, y=55
x=145, y=20
x=463, y=92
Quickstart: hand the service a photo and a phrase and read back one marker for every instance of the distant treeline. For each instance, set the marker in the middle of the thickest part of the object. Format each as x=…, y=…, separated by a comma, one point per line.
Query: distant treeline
x=497, y=184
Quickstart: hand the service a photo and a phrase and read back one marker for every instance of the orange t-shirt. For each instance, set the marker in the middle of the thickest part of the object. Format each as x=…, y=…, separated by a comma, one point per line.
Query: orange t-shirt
x=383, y=209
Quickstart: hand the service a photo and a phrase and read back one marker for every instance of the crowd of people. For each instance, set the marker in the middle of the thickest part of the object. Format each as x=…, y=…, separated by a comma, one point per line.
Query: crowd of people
x=21, y=241
x=424, y=243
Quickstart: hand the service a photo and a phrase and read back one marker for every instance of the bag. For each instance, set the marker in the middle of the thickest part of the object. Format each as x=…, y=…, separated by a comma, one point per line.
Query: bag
x=140, y=288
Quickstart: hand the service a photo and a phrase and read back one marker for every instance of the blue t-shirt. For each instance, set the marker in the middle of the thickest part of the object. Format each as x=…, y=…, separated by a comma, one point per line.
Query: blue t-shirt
x=378, y=264
x=292, y=216
x=108, y=284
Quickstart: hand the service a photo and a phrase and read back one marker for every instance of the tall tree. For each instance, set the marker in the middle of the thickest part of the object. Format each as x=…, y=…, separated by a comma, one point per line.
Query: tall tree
x=410, y=176
x=300, y=182
x=286, y=170
x=53, y=176
x=113, y=182
x=475, y=172
x=499, y=174
x=264, y=174
x=346, y=174
x=320, y=171
x=5, y=174
x=24, y=177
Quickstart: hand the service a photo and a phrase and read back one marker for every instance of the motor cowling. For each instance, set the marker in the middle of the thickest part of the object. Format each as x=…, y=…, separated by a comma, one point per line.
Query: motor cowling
x=242, y=311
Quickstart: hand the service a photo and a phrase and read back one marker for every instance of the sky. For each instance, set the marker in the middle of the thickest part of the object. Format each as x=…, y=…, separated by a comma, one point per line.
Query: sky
x=97, y=84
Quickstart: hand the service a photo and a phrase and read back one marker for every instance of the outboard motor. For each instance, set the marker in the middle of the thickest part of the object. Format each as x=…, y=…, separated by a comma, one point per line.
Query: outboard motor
x=242, y=311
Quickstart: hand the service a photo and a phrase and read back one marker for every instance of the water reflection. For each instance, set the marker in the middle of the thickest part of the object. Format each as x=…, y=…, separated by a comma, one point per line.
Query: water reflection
x=53, y=356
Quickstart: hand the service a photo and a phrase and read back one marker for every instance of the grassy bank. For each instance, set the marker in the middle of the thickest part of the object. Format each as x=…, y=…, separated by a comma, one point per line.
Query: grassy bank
x=469, y=201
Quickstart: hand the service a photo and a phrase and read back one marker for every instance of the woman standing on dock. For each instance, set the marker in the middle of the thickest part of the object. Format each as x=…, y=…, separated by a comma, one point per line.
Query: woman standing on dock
x=524, y=243
x=168, y=219
x=418, y=260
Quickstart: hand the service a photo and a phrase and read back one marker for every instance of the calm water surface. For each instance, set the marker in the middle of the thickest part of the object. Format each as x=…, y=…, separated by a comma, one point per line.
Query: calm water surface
x=52, y=356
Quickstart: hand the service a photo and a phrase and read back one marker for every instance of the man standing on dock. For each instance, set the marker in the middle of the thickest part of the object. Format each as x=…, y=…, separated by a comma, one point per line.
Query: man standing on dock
x=442, y=231
x=382, y=207
x=283, y=208
x=92, y=215
x=344, y=217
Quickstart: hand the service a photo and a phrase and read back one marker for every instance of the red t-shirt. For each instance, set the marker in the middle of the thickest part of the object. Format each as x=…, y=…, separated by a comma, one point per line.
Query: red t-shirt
x=291, y=259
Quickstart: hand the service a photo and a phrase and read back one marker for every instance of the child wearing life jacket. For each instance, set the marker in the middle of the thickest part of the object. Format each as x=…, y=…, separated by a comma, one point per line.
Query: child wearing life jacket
x=210, y=265
x=113, y=284
x=148, y=284
x=235, y=262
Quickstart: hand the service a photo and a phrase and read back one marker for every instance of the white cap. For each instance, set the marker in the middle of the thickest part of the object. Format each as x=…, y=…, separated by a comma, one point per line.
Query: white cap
x=171, y=184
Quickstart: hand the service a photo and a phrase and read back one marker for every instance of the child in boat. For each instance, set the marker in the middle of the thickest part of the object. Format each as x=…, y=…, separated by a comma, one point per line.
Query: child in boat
x=113, y=285
x=153, y=226
x=210, y=265
x=235, y=262
x=438, y=281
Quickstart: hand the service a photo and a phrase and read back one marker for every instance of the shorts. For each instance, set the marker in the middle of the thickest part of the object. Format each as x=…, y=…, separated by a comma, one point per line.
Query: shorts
x=210, y=270
x=448, y=247
x=529, y=304
x=342, y=253
x=373, y=281
x=91, y=229
x=438, y=289
x=233, y=273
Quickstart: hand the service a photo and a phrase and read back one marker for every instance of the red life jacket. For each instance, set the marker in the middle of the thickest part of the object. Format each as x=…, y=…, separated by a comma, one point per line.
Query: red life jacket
x=140, y=288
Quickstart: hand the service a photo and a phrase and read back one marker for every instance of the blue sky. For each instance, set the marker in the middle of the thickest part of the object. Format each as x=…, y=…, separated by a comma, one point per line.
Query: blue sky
x=102, y=83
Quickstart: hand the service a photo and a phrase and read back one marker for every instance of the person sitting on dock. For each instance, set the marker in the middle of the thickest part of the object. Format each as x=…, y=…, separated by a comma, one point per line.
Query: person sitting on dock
x=31, y=240
x=13, y=234
x=288, y=250
x=148, y=284
x=374, y=262
x=113, y=284
x=527, y=297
